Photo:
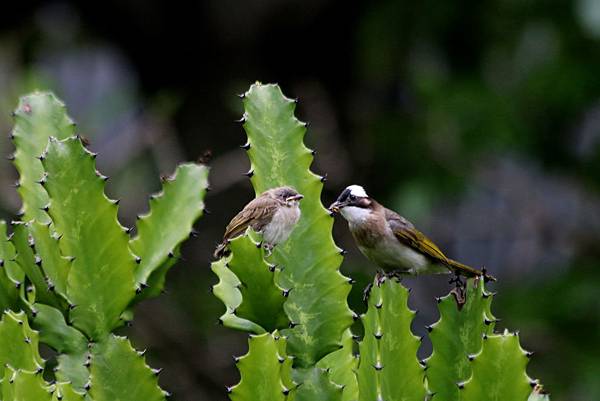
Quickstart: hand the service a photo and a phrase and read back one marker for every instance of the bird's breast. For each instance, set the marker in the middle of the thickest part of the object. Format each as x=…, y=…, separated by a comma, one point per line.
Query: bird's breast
x=281, y=225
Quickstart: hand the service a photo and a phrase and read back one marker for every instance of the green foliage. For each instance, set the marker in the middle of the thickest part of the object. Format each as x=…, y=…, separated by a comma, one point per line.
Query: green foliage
x=388, y=367
x=498, y=371
x=247, y=287
x=11, y=276
x=74, y=269
x=168, y=223
x=266, y=371
x=456, y=336
x=469, y=361
x=118, y=372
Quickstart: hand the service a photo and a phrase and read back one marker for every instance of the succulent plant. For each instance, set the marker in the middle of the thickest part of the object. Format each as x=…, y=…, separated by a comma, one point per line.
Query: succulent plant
x=71, y=273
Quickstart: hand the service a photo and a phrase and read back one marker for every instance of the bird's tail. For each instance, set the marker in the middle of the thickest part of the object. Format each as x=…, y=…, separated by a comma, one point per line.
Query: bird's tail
x=469, y=271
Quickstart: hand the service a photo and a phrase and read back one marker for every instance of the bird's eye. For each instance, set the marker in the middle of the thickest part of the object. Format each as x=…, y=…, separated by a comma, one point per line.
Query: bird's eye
x=352, y=197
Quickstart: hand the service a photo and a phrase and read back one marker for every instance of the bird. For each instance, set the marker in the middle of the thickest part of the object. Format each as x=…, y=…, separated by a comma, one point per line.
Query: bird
x=274, y=214
x=392, y=242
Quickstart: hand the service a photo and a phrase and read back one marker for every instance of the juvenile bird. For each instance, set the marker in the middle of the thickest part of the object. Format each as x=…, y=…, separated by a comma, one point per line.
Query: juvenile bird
x=391, y=241
x=273, y=214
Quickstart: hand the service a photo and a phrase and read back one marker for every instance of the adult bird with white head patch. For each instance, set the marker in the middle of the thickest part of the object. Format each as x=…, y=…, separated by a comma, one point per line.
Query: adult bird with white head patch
x=391, y=241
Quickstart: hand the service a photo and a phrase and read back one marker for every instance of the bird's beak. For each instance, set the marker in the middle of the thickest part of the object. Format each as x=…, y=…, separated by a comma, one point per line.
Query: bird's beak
x=294, y=198
x=336, y=206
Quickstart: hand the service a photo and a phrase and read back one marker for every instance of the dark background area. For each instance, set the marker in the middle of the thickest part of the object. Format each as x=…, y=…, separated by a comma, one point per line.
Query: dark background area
x=477, y=120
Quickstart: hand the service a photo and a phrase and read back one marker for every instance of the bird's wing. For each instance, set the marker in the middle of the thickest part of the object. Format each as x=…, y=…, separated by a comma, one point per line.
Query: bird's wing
x=406, y=233
x=257, y=214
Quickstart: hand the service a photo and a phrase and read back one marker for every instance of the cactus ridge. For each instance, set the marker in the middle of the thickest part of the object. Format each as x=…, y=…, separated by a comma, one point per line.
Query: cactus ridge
x=388, y=367
x=266, y=371
x=11, y=276
x=168, y=223
x=456, y=336
x=103, y=265
x=247, y=286
x=38, y=117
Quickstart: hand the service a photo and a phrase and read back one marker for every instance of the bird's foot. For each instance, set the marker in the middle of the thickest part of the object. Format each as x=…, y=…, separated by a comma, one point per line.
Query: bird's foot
x=396, y=274
x=380, y=277
x=460, y=289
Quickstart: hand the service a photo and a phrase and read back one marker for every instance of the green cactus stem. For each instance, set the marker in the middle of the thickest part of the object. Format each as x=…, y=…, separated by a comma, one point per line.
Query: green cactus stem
x=118, y=372
x=343, y=365
x=265, y=371
x=457, y=336
x=37, y=117
x=247, y=288
x=168, y=223
x=11, y=276
x=498, y=371
x=388, y=368
x=100, y=281
x=18, y=344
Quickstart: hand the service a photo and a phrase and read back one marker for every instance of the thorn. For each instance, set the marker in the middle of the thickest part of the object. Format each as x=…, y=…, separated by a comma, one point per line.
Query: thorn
x=241, y=95
x=286, y=293
x=116, y=202
x=379, y=304
x=461, y=385
x=241, y=119
x=87, y=386
x=355, y=317
x=171, y=254
x=324, y=178
x=228, y=389
x=487, y=321
x=285, y=391
x=138, y=260
x=471, y=357
x=429, y=328
x=529, y=354
x=313, y=152
x=38, y=261
x=128, y=230
x=156, y=372
x=292, y=325
x=250, y=173
x=11, y=157
x=343, y=252
x=378, y=366
x=246, y=146
x=142, y=352
x=236, y=359
x=351, y=280
x=17, y=184
x=378, y=335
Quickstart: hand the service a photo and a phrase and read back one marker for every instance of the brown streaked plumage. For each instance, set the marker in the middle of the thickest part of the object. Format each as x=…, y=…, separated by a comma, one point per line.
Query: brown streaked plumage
x=273, y=214
x=391, y=241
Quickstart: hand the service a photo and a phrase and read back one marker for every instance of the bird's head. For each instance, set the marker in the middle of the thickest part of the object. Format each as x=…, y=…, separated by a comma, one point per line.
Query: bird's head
x=287, y=195
x=353, y=203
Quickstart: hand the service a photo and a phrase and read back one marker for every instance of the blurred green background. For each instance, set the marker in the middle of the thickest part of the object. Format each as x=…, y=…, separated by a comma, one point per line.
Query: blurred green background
x=477, y=120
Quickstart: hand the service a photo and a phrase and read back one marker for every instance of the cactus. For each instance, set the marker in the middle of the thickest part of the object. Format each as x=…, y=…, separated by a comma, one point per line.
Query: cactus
x=469, y=361
x=388, y=367
x=455, y=337
x=266, y=371
x=71, y=270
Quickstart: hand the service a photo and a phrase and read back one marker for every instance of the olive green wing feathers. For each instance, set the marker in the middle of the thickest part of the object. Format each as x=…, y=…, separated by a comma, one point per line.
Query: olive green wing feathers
x=406, y=233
